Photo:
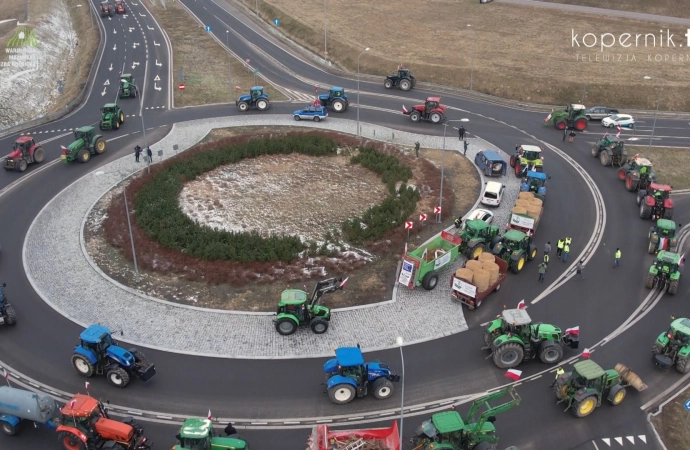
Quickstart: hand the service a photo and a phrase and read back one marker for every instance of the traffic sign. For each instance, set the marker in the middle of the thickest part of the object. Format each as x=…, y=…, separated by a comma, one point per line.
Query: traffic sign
x=182, y=86
x=437, y=210
x=208, y=28
x=422, y=217
x=256, y=71
x=408, y=225
x=687, y=404
x=276, y=22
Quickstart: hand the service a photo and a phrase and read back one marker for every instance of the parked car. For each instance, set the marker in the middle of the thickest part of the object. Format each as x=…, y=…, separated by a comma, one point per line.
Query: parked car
x=599, y=112
x=315, y=113
x=624, y=120
x=481, y=214
x=493, y=193
x=490, y=163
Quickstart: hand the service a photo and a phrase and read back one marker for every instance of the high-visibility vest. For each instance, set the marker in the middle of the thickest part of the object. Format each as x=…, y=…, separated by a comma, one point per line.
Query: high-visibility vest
x=546, y=259
x=559, y=372
x=560, y=244
x=618, y=254
x=566, y=248
x=568, y=241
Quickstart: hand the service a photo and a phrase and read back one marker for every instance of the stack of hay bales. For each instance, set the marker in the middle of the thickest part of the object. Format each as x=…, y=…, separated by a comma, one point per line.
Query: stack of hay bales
x=489, y=265
x=482, y=271
x=535, y=208
x=465, y=275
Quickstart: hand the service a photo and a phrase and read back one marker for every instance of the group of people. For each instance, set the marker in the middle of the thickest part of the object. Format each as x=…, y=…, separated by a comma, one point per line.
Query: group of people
x=562, y=252
x=137, y=152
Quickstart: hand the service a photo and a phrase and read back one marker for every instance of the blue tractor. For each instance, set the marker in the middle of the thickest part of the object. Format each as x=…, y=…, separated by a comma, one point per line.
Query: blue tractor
x=349, y=377
x=336, y=99
x=256, y=98
x=99, y=354
x=535, y=182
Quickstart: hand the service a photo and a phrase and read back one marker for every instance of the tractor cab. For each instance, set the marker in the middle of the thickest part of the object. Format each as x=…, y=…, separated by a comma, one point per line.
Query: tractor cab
x=336, y=99
x=515, y=241
x=294, y=301
x=348, y=362
x=660, y=192
x=197, y=434
x=404, y=73
x=667, y=262
x=680, y=331
x=84, y=133
x=105, y=6
x=431, y=103
x=126, y=79
x=475, y=228
x=665, y=228
x=23, y=144
x=613, y=143
x=529, y=153
x=534, y=182
x=296, y=308
x=109, y=108
x=588, y=375
x=516, y=322
x=641, y=165
x=256, y=91
x=336, y=92
x=98, y=340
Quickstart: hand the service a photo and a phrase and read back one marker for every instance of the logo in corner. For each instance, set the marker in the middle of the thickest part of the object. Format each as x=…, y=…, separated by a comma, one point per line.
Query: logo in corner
x=23, y=37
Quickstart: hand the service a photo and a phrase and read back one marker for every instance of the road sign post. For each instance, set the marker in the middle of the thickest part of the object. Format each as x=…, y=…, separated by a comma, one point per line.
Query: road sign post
x=408, y=227
x=422, y=219
x=437, y=213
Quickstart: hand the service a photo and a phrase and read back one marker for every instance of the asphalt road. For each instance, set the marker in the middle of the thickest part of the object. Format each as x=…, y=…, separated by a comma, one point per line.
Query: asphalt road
x=435, y=370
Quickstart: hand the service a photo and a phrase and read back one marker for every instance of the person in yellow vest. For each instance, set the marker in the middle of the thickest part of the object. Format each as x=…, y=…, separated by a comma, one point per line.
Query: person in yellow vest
x=568, y=240
x=566, y=251
x=546, y=261
x=559, y=372
x=617, y=258
x=559, y=247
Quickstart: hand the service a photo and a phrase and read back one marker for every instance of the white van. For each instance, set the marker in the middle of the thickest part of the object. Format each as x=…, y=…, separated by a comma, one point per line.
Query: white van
x=493, y=193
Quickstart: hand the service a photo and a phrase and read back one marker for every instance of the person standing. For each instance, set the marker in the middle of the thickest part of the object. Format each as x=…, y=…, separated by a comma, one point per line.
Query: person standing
x=617, y=258
x=149, y=154
x=546, y=261
x=578, y=269
x=230, y=430
x=137, y=152
x=565, y=132
x=559, y=247
x=566, y=251
x=559, y=372
x=568, y=240
x=461, y=133
x=542, y=271
x=547, y=248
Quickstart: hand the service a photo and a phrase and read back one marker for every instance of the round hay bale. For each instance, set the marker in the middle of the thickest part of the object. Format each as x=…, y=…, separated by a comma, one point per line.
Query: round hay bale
x=534, y=211
x=486, y=257
x=522, y=202
x=519, y=210
x=481, y=279
x=492, y=268
x=536, y=202
x=525, y=195
x=472, y=264
x=465, y=275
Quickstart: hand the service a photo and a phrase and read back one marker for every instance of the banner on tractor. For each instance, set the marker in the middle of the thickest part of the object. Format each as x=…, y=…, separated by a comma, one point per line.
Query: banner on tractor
x=522, y=221
x=442, y=261
x=464, y=288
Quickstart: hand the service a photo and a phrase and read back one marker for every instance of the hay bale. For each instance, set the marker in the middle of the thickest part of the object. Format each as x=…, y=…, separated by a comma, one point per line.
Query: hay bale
x=525, y=195
x=519, y=210
x=536, y=202
x=481, y=279
x=486, y=257
x=493, y=270
x=465, y=275
x=534, y=211
x=472, y=264
x=522, y=202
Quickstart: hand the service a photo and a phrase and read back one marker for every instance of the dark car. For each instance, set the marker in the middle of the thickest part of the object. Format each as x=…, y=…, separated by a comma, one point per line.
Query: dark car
x=490, y=163
x=599, y=112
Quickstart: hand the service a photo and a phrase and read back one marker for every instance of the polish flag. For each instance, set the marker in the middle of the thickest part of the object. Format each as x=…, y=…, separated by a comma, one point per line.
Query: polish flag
x=87, y=386
x=209, y=417
x=72, y=403
x=605, y=135
x=344, y=281
x=548, y=118
x=522, y=304
x=585, y=353
x=575, y=331
x=405, y=111
x=663, y=242
x=618, y=128
x=316, y=89
x=513, y=374
x=64, y=149
x=5, y=374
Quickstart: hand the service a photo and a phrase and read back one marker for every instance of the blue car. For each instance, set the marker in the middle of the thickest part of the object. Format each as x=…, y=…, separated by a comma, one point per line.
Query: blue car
x=311, y=112
x=349, y=376
x=490, y=163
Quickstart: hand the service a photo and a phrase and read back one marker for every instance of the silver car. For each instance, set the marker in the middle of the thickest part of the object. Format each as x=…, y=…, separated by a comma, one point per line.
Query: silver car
x=599, y=112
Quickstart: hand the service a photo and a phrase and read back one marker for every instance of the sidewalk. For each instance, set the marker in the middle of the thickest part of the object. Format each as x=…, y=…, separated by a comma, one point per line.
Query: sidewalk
x=89, y=296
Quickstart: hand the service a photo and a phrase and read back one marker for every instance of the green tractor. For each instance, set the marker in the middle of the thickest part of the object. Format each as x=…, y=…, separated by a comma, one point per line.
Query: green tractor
x=86, y=143
x=402, y=79
x=476, y=235
x=662, y=236
x=128, y=86
x=611, y=151
x=664, y=273
x=515, y=248
x=297, y=309
x=527, y=158
x=673, y=346
x=637, y=173
x=197, y=434
x=448, y=430
x=583, y=389
x=111, y=117
x=513, y=338
x=573, y=117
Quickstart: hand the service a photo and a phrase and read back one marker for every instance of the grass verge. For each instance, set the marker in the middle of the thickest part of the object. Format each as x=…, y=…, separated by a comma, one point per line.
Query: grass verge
x=210, y=73
x=671, y=422
x=670, y=164
x=672, y=8
x=530, y=57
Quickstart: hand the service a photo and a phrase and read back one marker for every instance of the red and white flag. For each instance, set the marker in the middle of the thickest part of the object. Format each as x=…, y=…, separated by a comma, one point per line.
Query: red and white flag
x=606, y=135
x=585, y=353
x=618, y=127
x=316, y=89
x=64, y=149
x=548, y=118
x=663, y=242
x=619, y=131
x=513, y=374
x=574, y=331
x=522, y=304
x=5, y=374
x=87, y=384
x=72, y=403
x=344, y=281
x=209, y=417
x=405, y=111
x=237, y=88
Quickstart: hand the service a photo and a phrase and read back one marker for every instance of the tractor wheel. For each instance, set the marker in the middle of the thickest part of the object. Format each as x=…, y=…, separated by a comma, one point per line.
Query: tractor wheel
x=318, y=325
x=551, y=353
x=651, y=248
x=99, y=146
x=617, y=395
x=516, y=266
x=595, y=151
x=135, y=92
x=84, y=155
x=383, y=388
x=430, y=281
x=8, y=428
x=561, y=390
x=630, y=184
x=581, y=124
x=83, y=365
x=518, y=170
x=388, y=84
x=262, y=104
x=122, y=117
x=339, y=106
x=532, y=253
x=474, y=253
x=296, y=117
x=641, y=194
x=118, y=377
x=341, y=394
x=436, y=117
x=243, y=106
x=69, y=441
x=672, y=287
x=649, y=281
x=512, y=161
x=657, y=349
x=682, y=365
x=22, y=165
x=405, y=85
x=415, y=116
x=116, y=125
x=585, y=407
x=39, y=156
x=621, y=174
x=11, y=315
x=668, y=213
x=605, y=158
x=560, y=125
x=286, y=326
x=645, y=211
x=317, y=119
x=488, y=338
x=509, y=355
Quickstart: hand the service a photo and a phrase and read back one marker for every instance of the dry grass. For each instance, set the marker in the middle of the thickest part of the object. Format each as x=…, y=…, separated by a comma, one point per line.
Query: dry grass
x=673, y=8
x=670, y=164
x=206, y=66
x=528, y=57
x=670, y=423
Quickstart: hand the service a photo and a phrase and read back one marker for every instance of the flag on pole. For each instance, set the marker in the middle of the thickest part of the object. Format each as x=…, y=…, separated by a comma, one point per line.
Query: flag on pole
x=606, y=135
x=547, y=118
x=72, y=403
x=513, y=374
x=522, y=304
x=87, y=384
x=344, y=281
x=585, y=353
x=682, y=260
x=405, y=111
x=574, y=331
x=209, y=417
x=618, y=127
x=5, y=374
x=316, y=89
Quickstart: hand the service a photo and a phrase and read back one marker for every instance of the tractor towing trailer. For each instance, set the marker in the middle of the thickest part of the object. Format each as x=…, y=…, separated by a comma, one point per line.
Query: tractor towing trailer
x=420, y=266
x=479, y=277
x=526, y=213
x=17, y=405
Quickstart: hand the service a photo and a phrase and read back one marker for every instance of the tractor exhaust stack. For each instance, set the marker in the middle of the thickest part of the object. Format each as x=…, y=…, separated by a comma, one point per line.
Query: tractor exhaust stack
x=629, y=377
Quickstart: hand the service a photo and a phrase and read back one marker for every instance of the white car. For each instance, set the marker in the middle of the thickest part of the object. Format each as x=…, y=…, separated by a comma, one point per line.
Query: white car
x=481, y=214
x=493, y=193
x=624, y=120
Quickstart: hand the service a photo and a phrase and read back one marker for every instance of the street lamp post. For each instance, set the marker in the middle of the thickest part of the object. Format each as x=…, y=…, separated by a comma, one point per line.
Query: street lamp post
x=399, y=341
x=656, y=112
x=143, y=127
x=129, y=223
x=325, y=29
x=443, y=159
x=227, y=44
x=360, y=55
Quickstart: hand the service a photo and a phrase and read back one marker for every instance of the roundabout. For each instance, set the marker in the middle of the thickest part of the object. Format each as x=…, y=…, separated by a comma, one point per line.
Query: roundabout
x=235, y=364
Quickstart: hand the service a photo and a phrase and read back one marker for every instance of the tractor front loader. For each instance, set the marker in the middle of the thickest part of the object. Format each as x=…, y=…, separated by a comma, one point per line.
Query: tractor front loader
x=296, y=308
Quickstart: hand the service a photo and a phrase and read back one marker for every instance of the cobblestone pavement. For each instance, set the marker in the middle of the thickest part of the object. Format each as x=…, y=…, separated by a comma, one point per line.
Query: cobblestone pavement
x=89, y=296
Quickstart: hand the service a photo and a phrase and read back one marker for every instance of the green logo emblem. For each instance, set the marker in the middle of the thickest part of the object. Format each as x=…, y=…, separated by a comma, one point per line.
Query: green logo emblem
x=23, y=37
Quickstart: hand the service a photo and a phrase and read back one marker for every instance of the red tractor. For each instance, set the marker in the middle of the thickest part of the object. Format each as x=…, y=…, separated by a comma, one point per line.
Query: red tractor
x=120, y=7
x=432, y=110
x=24, y=152
x=106, y=9
x=656, y=202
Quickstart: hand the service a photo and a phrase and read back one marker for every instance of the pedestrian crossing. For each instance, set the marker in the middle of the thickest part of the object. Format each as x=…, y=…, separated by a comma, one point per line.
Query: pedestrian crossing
x=155, y=107
x=298, y=96
x=622, y=441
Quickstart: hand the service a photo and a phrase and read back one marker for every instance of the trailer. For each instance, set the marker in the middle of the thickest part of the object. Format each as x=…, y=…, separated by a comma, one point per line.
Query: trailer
x=525, y=214
x=322, y=438
x=420, y=266
x=469, y=294
x=17, y=405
